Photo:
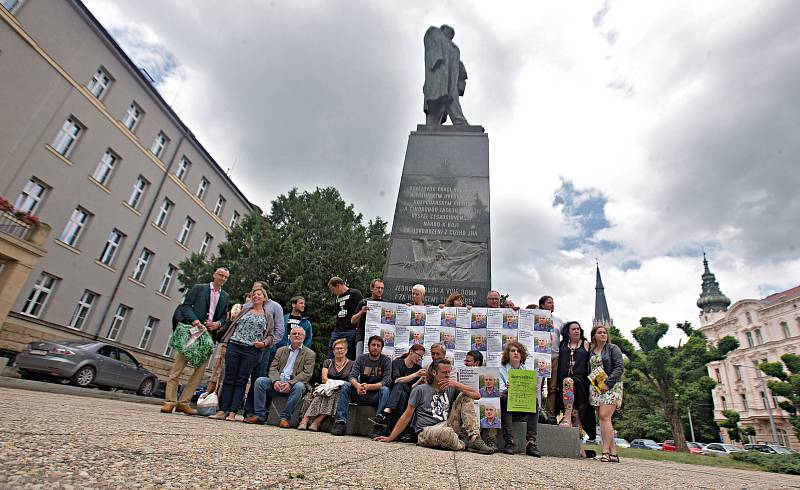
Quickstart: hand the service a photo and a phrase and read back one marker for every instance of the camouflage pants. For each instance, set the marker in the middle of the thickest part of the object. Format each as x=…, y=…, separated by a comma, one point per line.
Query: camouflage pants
x=444, y=435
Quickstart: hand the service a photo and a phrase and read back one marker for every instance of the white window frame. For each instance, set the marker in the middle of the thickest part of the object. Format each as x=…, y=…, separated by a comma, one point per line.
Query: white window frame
x=183, y=168
x=67, y=136
x=759, y=336
x=100, y=82
x=186, y=230
x=749, y=337
x=168, y=352
x=133, y=116
x=202, y=188
x=786, y=332
x=105, y=167
x=166, y=279
x=140, y=268
x=207, y=240
x=31, y=196
x=163, y=213
x=113, y=242
x=118, y=322
x=40, y=293
x=147, y=332
x=159, y=144
x=75, y=226
x=82, y=309
x=234, y=219
x=140, y=186
x=220, y=205
x=11, y=5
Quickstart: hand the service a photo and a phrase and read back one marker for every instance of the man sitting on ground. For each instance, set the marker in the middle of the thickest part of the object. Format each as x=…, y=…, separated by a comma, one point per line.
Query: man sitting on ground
x=369, y=384
x=289, y=373
x=441, y=409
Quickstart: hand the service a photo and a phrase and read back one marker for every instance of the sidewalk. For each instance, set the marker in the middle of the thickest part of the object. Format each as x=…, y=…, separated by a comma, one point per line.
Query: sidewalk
x=50, y=440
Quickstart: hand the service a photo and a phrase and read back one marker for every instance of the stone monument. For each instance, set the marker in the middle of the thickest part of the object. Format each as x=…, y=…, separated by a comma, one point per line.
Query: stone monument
x=440, y=233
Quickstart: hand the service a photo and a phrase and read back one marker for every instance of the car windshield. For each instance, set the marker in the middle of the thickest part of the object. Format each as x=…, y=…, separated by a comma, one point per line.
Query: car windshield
x=693, y=445
x=649, y=442
x=781, y=450
x=619, y=440
x=730, y=447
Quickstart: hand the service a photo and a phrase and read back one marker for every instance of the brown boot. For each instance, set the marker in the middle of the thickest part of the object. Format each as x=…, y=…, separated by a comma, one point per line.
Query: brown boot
x=185, y=409
x=167, y=408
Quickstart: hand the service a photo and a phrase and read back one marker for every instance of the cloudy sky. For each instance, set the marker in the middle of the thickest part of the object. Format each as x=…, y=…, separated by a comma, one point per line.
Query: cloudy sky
x=636, y=133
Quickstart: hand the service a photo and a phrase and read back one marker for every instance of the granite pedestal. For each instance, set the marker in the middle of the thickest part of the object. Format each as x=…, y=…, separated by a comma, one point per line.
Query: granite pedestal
x=552, y=440
x=440, y=232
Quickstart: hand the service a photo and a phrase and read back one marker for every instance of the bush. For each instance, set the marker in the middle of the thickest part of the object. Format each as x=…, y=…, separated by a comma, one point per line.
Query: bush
x=776, y=463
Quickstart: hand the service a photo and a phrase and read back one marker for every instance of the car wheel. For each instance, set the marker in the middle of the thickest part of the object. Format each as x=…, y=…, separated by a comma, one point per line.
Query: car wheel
x=146, y=389
x=84, y=376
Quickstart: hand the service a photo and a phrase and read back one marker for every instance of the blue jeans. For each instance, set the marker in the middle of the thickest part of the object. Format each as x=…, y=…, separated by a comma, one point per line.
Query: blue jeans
x=265, y=391
x=239, y=362
x=260, y=370
x=350, y=336
x=377, y=398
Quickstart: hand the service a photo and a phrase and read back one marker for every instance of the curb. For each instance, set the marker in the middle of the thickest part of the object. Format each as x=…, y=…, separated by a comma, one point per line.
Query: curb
x=26, y=384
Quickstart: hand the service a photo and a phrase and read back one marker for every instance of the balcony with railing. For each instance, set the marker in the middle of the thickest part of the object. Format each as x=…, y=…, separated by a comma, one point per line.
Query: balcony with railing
x=14, y=226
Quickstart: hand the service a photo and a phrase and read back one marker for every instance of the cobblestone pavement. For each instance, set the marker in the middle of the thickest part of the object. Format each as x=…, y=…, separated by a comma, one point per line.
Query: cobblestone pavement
x=64, y=441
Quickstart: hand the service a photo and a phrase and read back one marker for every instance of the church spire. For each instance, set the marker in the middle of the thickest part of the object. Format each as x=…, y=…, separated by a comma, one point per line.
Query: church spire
x=711, y=298
x=601, y=315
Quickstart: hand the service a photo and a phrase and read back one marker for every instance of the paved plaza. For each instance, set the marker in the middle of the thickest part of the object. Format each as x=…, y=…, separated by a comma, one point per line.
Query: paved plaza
x=62, y=441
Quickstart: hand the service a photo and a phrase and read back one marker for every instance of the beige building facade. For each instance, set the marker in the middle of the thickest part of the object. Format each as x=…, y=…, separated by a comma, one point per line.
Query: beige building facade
x=89, y=146
x=766, y=329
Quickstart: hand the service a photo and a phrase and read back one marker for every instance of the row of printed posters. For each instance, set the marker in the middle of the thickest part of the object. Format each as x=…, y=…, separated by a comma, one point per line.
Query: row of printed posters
x=461, y=330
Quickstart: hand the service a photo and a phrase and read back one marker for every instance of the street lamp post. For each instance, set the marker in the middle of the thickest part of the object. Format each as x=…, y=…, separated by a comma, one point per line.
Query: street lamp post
x=767, y=396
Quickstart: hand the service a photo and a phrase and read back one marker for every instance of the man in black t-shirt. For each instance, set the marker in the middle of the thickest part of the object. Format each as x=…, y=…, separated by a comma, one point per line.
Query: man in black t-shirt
x=360, y=318
x=347, y=300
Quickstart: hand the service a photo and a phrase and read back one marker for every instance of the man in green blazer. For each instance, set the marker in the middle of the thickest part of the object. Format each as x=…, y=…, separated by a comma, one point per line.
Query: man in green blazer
x=290, y=371
x=205, y=307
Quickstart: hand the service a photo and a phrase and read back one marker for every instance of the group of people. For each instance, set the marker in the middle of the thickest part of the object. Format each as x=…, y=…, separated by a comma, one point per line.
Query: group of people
x=260, y=347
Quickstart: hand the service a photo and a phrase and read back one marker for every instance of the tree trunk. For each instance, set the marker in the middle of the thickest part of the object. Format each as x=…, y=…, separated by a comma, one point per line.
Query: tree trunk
x=673, y=414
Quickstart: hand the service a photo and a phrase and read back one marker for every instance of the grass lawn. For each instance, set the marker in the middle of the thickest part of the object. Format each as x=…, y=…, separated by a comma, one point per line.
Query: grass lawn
x=687, y=458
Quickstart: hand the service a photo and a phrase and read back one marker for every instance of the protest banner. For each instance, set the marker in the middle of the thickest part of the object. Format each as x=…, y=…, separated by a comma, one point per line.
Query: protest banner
x=522, y=390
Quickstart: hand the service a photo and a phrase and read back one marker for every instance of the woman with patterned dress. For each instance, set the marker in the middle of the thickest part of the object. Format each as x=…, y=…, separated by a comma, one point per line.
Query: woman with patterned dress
x=606, y=360
x=324, y=405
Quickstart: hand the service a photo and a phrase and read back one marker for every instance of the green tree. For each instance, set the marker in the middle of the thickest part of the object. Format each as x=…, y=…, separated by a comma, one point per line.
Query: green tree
x=307, y=238
x=735, y=432
x=786, y=385
x=675, y=373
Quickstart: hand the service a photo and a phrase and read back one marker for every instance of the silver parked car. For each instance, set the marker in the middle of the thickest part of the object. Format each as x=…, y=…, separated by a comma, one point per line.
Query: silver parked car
x=719, y=449
x=86, y=363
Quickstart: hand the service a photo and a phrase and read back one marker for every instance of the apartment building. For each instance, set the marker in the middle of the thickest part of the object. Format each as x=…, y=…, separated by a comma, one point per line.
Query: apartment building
x=766, y=329
x=88, y=145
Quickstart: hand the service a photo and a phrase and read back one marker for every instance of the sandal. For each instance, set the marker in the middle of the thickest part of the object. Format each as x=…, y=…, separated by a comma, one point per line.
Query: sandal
x=605, y=458
x=613, y=458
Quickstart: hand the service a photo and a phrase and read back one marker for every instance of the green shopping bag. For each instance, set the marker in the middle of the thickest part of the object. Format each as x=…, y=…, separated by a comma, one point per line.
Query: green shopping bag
x=196, y=349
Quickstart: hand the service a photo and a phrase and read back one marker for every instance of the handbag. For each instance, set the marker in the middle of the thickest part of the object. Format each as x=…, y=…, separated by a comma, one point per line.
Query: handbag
x=207, y=404
x=193, y=344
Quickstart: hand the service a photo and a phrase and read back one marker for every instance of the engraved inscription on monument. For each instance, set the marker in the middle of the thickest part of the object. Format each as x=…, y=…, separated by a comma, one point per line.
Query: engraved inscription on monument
x=440, y=234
